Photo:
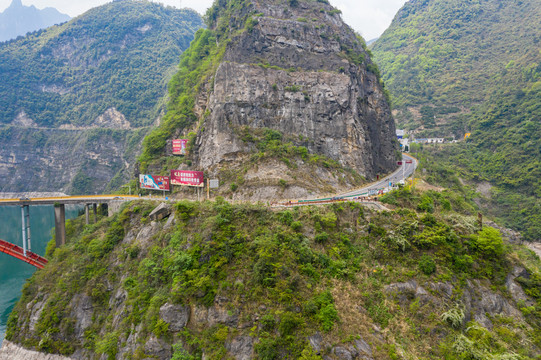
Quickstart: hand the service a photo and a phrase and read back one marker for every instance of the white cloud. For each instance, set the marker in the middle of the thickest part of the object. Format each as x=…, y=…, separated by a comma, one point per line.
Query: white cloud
x=368, y=17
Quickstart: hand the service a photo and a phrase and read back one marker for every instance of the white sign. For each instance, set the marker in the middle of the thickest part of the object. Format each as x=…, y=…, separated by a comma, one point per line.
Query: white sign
x=214, y=183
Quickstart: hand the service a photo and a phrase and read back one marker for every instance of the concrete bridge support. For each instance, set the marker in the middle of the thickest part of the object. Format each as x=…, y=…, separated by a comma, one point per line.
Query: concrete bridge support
x=87, y=213
x=60, y=224
x=25, y=217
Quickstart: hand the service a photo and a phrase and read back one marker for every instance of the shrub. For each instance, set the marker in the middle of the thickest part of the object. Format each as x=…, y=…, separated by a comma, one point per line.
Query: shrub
x=286, y=217
x=234, y=187
x=327, y=316
x=296, y=225
x=489, y=242
x=267, y=348
x=427, y=265
x=426, y=204
x=181, y=354
x=454, y=316
x=309, y=354
x=321, y=238
x=268, y=322
x=108, y=345
x=463, y=262
x=329, y=220
x=288, y=323
x=161, y=328
x=322, y=306
x=185, y=209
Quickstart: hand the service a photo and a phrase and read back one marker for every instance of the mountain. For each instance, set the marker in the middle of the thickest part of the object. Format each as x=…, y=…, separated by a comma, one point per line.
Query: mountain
x=278, y=101
x=18, y=19
x=452, y=56
x=454, y=68
x=90, y=87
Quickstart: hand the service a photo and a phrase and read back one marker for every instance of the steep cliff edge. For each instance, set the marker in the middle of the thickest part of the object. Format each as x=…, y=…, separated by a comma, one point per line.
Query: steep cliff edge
x=294, y=68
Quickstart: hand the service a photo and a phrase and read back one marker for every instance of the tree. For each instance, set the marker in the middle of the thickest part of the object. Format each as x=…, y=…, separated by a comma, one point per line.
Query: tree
x=489, y=242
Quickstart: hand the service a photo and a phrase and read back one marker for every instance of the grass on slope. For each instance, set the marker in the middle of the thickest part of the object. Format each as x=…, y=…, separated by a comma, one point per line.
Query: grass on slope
x=278, y=277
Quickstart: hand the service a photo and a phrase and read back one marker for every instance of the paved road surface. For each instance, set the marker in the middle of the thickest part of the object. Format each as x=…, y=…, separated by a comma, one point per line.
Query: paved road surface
x=404, y=171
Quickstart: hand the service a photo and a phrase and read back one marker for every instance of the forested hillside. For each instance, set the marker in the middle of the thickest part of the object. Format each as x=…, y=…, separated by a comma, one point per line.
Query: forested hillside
x=454, y=67
x=90, y=87
x=120, y=55
x=453, y=55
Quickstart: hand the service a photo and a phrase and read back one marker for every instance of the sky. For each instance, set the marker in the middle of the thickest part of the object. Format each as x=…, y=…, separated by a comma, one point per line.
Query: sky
x=368, y=17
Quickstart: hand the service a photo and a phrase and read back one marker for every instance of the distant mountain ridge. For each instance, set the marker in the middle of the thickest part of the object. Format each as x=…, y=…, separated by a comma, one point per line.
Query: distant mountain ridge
x=17, y=19
x=92, y=87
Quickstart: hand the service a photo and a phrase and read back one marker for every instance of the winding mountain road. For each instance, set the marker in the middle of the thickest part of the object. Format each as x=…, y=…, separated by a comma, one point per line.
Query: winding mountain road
x=409, y=164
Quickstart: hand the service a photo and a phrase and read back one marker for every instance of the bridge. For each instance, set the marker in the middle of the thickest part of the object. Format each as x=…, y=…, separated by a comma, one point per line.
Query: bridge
x=24, y=253
x=19, y=253
x=407, y=168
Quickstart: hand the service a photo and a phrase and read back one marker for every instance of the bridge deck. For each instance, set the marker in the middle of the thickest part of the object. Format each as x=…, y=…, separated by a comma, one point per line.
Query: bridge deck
x=67, y=200
x=18, y=252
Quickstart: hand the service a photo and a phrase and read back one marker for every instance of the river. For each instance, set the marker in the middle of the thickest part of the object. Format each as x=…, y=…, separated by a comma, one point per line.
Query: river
x=13, y=272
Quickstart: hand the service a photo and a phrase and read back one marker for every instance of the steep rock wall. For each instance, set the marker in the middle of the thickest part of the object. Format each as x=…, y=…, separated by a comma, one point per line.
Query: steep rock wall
x=294, y=71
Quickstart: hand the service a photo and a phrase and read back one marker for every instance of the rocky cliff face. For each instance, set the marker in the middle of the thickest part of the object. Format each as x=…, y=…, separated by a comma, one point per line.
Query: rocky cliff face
x=71, y=161
x=299, y=70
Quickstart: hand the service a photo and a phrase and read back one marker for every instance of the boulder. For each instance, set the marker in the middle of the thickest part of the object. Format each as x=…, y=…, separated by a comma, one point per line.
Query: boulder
x=177, y=316
x=241, y=347
x=161, y=212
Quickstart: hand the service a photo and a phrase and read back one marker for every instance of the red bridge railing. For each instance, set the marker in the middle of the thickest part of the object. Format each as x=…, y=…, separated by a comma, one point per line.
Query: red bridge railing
x=17, y=252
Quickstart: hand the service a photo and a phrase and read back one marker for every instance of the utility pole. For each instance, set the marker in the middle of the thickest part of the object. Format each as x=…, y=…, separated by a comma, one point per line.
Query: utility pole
x=404, y=172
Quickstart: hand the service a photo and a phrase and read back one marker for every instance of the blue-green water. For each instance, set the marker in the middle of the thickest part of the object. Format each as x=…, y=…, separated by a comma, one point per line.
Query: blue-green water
x=13, y=272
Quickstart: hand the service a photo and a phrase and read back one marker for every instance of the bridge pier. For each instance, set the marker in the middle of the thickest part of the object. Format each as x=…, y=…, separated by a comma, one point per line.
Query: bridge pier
x=24, y=229
x=60, y=224
x=87, y=213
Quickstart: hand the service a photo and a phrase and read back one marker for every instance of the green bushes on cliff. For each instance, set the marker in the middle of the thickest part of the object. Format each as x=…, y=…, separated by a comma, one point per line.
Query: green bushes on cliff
x=255, y=275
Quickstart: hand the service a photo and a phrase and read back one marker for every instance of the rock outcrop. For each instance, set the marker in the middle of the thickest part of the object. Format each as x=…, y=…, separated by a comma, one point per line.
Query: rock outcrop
x=302, y=71
x=11, y=351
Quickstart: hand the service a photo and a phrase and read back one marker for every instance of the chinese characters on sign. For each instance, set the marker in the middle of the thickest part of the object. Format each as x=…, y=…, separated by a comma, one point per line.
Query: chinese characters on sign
x=154, y=182
x=188, y=178
x=179, y=146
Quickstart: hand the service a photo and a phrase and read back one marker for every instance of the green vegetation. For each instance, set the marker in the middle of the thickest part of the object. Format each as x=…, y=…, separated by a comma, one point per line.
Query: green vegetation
x=196, y=70
x=118, y=55
x=442, y=52
x=273, y=144
x=453, y=69
x=303, y=270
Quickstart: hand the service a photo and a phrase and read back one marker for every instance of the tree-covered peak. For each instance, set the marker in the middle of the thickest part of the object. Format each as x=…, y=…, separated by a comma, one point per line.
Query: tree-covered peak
x=119, y=55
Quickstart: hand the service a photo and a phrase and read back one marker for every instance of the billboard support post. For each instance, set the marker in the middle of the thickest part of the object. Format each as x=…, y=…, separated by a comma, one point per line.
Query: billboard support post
x=208, y=189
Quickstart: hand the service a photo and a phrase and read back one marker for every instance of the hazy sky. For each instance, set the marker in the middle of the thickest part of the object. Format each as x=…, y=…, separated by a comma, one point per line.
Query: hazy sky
x=369, y=17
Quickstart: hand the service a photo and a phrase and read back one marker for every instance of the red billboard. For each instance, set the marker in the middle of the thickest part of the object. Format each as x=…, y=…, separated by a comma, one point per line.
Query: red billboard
x=188, y=178
x=154, y=182
x=179, y=146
